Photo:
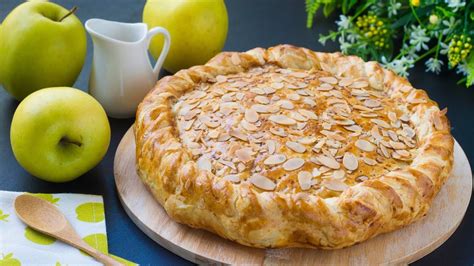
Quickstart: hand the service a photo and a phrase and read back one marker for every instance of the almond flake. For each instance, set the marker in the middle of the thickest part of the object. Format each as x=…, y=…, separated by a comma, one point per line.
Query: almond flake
x=204, y=163
x=262, y=182
x=299, y=74
x=308, y=140
x=262, y=99
x=251, y=115
x=309, y=102
x=285, y=104
x=221, y=78
x=309, y=114
x=369, y=161
x=359, y=84
x=232, y=178
x=353, y=128
x=335, y=185
x=338, y=174
x=282, y=120
x=278, y=131
x=397, y=145
x=304, y=179
x=271, y=146
x=293, y=164
x=364, y=145
x=293, y=97
x=298, y=117
x=350, y=161
x=392, y=116
x=235, y=59
x=238, y=134
x=244, y=155
x=296, y=147
x=275, y=159
x=330, y=80
x=344, y=82
x=328, y=162
x=380, y=123
x=361, y=178
x=248, y=126
x=316, y=172
x=371, y=103
x=277, y=85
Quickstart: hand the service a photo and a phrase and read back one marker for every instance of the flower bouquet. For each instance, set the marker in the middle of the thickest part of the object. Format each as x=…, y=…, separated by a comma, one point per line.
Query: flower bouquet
x=440, y=32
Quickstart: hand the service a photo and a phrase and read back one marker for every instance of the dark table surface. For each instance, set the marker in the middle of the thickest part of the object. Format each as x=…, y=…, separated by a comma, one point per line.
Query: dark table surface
x=252, y=23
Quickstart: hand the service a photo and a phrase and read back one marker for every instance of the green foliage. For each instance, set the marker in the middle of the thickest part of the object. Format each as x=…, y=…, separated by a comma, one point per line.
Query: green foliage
x=439, y=32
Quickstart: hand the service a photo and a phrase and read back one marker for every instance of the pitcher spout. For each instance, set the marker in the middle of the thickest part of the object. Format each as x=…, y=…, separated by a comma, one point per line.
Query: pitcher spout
x=116, y=31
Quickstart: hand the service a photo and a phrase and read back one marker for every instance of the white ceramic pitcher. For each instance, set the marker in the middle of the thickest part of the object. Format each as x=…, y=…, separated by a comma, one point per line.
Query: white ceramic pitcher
x=121, y=72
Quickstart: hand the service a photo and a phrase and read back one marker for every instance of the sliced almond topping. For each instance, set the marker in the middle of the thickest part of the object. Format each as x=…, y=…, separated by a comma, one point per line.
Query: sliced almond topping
x=277, y=85
x=397, y=145
x=364, y=145
x=309, y=102
x=299, y=74
x=232, y=178
x=191, y=114
x=380, y=123
x=251, y=115
x=262, y=99
x=296, y=147
x=244, y=155
x=369, y=161
x=298, y=117
x=309, y=114
x=304, y=179
x=213, y=134
x=344, y=82
x=316, y=172
x=258, y=91
x=328, y=162
x=350, y=161
x=437, y=122
x=204, y=163
x=238, y=134
x=361, y=178
x=271, y=146
x=404, y=153
x=275, y=159
x=338, y=174
x=384, y=151
x=371, y=103
x=278, y=131
x=293, y=164
x=330, y=80
x=282, y=120
x=262, y=182
x=248, y=126
x=308, y=140
x=293, y=97
x=285, y=104
x=392, y=116
x=335, y=185
x=353, y=128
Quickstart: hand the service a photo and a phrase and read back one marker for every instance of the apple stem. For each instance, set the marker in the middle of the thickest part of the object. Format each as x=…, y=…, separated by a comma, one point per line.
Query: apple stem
x=69, y=13
x=66, y=141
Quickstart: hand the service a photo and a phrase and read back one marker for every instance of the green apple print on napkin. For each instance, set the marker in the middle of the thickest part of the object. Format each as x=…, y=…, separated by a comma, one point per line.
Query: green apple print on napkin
x=37, y=237
x=48, y=197
x=3, y=216
x=9, y=260
x=97, y=241
x=91, y=212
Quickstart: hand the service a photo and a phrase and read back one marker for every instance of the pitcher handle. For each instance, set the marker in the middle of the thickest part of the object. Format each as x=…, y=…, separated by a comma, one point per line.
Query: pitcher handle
x=164, y=52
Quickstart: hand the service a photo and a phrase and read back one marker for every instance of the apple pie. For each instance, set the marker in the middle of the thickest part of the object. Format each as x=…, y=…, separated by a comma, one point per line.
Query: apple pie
x=286, y=147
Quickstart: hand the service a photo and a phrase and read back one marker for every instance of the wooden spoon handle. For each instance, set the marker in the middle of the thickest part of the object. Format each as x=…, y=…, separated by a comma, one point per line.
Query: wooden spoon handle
x=99, y=256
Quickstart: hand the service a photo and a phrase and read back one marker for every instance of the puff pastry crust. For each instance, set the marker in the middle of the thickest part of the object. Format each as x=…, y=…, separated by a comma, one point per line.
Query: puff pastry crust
x=286, y=147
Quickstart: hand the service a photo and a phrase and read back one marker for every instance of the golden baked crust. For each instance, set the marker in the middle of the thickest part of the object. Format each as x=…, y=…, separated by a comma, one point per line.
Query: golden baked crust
x=285, y=147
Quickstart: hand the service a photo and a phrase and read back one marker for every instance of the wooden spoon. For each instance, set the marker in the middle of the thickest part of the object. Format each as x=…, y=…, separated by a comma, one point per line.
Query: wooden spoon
x=44, y=217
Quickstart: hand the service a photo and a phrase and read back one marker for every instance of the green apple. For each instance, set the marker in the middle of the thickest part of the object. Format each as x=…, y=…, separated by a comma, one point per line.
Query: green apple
x=58, y=134
x=41, y=45
x=198, y=30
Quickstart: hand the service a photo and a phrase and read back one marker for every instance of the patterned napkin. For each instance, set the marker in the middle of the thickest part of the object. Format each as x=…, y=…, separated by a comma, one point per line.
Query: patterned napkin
x=21, y=245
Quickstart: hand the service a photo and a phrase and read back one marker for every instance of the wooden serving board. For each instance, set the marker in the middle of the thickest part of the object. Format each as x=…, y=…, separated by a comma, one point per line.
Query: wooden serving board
x=400, y=247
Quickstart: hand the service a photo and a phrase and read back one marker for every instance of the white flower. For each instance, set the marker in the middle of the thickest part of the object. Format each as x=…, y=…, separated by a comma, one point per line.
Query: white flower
x=455, y=4
x=344, y=46
x=433, y=65
x=352, y=37
x=399, y=66
x=343, y=22
x=418, y=38
x=444, y=48
x=393, y=7
x=449, y=24
x=462, y=68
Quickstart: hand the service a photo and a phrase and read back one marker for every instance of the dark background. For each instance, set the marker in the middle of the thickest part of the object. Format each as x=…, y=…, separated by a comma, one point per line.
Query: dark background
x=252, y=23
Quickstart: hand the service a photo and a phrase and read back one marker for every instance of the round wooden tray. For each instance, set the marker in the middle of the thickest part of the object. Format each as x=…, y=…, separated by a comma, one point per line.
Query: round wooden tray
x=402, y=246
